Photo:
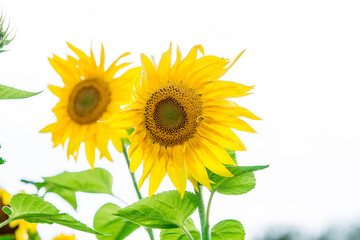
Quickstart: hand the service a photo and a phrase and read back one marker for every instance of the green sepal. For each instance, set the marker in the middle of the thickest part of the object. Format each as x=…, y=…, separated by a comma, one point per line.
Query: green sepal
x=7, y=210
x=36, y=210
x=242, y=181
x=232, y=154
x=178, y=234
x=228, y=230
x=126, y=141
x=164, y=210
x=65, y=184
x=116, y=228
x=13, y=93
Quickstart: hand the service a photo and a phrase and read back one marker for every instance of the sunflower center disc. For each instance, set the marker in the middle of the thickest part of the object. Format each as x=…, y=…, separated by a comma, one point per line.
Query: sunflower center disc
x=172, y=115
x=88, y=101
x=169, y=114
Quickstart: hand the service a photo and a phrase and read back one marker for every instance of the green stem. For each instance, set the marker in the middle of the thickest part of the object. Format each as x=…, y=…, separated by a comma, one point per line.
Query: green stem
x=187, y=233
x=132, y=174
x=5, y=222
x=204, y=227
x=207, y=222
x=149, y=230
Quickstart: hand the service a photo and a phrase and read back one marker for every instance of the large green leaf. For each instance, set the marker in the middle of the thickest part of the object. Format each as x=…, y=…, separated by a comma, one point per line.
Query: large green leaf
x=36, y=210
x=66, y=184
x=13, y=93
x=164, y=210
x=117, y=228
x=178, y=234
x=228, y=230
x=96, y=180
x=242, y=181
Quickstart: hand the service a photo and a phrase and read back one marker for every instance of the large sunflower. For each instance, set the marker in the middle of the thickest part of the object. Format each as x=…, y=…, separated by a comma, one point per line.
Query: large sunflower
x=19, y=228
x=183, y=119
x=90, y=96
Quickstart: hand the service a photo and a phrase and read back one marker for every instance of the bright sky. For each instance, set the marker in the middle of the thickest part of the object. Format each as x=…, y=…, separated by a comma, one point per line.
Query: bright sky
x=303, y=57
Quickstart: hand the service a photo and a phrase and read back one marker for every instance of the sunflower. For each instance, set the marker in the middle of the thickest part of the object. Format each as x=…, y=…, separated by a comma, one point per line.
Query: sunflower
x=19, y=228
x=90, y=96
x=64, y=237
x=183, y=119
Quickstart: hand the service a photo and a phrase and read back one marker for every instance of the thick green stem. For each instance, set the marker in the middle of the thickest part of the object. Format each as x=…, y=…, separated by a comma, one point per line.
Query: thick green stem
x=187, y=233
x=149, y=230
x=204, y=227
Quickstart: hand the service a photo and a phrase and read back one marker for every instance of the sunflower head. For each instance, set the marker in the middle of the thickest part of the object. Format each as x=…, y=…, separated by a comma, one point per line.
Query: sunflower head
x=19, y=228
x=183, y=119
x=91, y=95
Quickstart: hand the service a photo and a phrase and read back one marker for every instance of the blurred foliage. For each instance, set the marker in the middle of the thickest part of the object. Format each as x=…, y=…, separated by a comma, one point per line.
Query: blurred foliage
x=352, y=233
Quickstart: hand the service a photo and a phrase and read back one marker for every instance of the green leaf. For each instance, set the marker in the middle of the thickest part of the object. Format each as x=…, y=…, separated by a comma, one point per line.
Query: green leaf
x=117, y=228
x=96, y=180
x=232, y=154
x=242, y=181
x=164, y=210
x=67, y=194
x=228, y=230
x=36, y=210
x=13, y=93
x=178, y=234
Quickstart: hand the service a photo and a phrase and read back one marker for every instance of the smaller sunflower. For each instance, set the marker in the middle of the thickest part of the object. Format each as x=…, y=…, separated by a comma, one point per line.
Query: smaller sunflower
x=64, y=237
x=90, y=96
x=19, y=228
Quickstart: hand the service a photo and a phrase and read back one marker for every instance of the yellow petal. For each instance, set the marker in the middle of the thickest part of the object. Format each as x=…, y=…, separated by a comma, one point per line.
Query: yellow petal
x=102, y=57
x=176, y=169
x=223, y=136
x=158, y=172
x=150, y=72
x=196, y=167
x=209, y=159
x=164, y=66
x=90, y=151
x=230, y=121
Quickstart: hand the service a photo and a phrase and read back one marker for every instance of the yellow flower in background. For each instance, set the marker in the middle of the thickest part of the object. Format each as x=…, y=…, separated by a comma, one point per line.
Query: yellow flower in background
x=90, y=96
x=20, y=228
x=183, y=119
x=64, y=237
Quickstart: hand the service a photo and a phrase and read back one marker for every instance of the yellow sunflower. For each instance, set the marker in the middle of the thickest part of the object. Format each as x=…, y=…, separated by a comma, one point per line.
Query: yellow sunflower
x=20, y=228
x=64, y=237
x=90, y=96
x=183, y=119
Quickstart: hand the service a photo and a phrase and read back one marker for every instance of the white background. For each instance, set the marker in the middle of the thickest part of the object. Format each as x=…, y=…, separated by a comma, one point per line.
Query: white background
x=303, y=57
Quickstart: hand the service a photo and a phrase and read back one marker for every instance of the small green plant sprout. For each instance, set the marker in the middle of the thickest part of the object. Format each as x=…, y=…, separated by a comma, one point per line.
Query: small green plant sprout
x=5, y=33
